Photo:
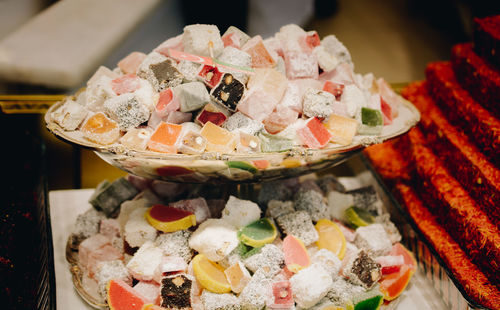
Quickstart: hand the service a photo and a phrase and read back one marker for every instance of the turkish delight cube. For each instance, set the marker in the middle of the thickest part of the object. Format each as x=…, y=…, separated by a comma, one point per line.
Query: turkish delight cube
x=136, y=138
x=125, y=84
x=228, y=92
x=342, y=129
x=326, y=61
x=292, y=98
x=233, y=57
x=300, y=65
x=312, y=202
x=163, y=75
x=211, y=113
x=247, y=143
x=174, y=43
x=240, y=212
x=218, y=139
x=374, y=239
x=127, y=111
x=137, y=230
x=354, y=99
x=274, y=143
x=279, y=119
x=361, y=269
x=215, y=238
x=100, y=129
x=149, y=290
x=241, y=122
x=265, y=90
x=289, y=36
x=261, y=56
x=342, y=292
x=273, y=190
x=256, y=293
x=169, y=265
x=167, y=103
x=98, y=91
x=189, y=70
x=390, y=228
x=214, y=301
x=237, y=276
x=164, y=138
x=314, y=134
x=282, y=296
x=145, y=261
x=330, y=262
x=203, y=40
x=109, y=198
x=111, y=270
x=240, y=35
x=176, y=292
x=330, y=183
x=210, y=75
x=131, y=62
x=335, y=47
x=317, y=103
x=86, y=225
x=100, y=72
x=175, y=244
x=110, y=228
x=192, y=142
x=90, y=245
x=269, y=259
x=70, y=115
x=310, y=285
x=300, y=225
x=276, y=208
x=192, y=96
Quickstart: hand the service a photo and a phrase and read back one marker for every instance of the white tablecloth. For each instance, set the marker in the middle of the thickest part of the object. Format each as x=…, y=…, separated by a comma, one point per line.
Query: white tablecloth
x=67, y=204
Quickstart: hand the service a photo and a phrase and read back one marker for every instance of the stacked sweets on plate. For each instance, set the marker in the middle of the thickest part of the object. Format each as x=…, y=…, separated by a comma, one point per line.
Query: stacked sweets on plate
x=306, y=243
x=203, y=92
x=446, y=171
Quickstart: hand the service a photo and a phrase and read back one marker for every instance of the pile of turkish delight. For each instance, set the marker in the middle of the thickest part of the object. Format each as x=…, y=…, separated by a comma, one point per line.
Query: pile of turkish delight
x=305, y=243
x=203, y=92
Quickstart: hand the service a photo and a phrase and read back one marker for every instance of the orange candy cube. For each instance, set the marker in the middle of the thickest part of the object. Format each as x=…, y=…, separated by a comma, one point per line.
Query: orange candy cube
x=100, y=129
x=164, y=138
x=218, y=139
x=343, y=129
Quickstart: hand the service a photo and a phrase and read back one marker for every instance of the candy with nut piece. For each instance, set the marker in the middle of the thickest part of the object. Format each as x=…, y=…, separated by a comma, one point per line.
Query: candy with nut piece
x=228, y=92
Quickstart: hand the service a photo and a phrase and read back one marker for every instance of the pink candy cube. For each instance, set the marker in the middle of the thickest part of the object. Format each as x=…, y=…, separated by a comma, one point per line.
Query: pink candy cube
x=342, y=74
x=110, y=228
x=131, y=62
x=169, y=265
x=314, y=134
x=90, y=245
x=265, y=89
x=280, y=118
x=167, y=103
x=282, y=296
x=300, y=65
x=126, y=84
x=103, y=254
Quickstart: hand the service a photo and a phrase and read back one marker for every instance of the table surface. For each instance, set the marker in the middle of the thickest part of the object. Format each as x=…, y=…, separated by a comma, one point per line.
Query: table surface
x=66, y=205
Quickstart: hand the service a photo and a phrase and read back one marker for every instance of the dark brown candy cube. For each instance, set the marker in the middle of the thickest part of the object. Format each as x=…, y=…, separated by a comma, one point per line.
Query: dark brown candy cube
x=165, y=75
x=176, y=292
x=229, y=92
x=363, y=270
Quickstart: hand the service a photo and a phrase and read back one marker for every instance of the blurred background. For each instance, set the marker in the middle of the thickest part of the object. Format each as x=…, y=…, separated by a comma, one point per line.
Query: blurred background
x=52, y=47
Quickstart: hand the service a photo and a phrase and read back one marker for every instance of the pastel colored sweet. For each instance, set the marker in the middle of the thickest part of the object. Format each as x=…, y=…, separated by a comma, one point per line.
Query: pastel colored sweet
x=169, y=219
